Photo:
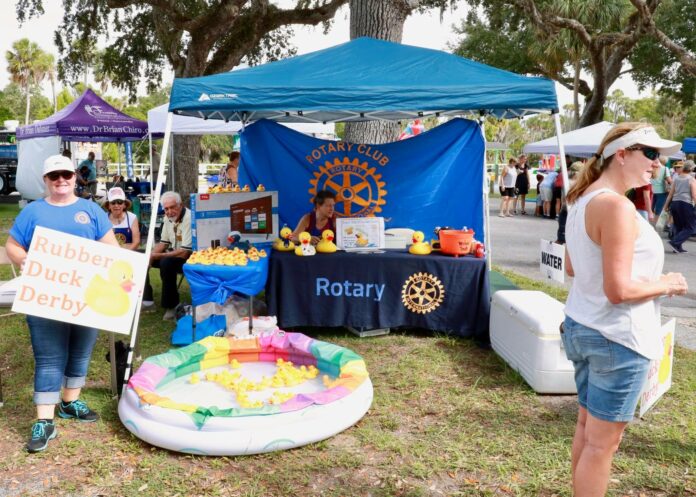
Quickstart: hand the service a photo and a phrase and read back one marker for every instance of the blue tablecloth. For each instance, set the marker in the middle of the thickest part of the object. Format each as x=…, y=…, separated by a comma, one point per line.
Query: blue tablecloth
x=386, y=290
x=216, y=283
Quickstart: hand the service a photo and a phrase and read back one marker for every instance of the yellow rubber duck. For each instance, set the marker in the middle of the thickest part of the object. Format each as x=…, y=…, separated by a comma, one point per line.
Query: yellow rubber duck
x=236, y=189
x=260, y=188
x=110, y=297
x=665, y=364
x=305, y=247
x=246, y=188
x=419, y=247
x=284, y=244
x=326, y=244
x=361, y=240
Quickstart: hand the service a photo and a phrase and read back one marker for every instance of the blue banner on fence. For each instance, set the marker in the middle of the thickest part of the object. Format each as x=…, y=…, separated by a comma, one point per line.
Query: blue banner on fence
x=128, y=146
x=433, y=179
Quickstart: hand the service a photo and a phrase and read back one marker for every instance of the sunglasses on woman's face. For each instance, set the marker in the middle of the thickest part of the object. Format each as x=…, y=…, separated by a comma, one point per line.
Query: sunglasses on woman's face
x=650, y=153
x=53, y=176
x=117, y=202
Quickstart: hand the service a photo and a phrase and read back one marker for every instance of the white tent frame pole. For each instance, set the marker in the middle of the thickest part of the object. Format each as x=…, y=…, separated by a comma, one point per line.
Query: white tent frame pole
x=561, y=151
x=171, y=162
x=150, y=175
x=118, y=153
x=486, y=203
x=148, y=244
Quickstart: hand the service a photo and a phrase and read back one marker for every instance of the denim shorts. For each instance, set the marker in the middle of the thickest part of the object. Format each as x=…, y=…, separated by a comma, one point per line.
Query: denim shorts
x=608, y=375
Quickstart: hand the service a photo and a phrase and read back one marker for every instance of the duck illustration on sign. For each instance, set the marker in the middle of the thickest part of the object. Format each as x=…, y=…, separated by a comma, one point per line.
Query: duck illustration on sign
x=110, y=296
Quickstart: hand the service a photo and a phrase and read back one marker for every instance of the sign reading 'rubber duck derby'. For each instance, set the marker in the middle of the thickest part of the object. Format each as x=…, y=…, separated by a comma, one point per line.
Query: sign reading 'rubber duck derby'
x=80, y=281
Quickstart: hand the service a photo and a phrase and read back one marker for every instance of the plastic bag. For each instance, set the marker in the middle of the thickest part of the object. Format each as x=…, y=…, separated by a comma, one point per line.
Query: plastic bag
x=662, y=220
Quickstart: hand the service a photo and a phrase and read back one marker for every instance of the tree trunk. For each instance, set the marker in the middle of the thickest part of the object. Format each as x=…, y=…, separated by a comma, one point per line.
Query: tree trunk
x=185, y=163
x=576, y=103
x=53, y=92
x=26, y=117
x=382, y=19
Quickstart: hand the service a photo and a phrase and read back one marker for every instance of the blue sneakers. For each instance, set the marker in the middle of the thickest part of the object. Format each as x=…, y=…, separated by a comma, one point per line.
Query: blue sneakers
x=77, y=410
x=41, y=432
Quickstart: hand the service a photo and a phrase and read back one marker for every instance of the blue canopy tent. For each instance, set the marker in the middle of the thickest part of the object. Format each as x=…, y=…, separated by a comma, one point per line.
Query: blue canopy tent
x=364, y=79
x=689, y=146
x=361, y=80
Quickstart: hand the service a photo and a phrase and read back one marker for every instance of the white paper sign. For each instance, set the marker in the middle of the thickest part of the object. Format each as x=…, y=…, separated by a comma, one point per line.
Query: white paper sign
x=552, y=260
x=660, y=374
x=360, y=233
x=80, y=281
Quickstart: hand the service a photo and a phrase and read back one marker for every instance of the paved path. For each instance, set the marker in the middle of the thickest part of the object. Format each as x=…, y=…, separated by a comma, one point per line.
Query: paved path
x=516, y=247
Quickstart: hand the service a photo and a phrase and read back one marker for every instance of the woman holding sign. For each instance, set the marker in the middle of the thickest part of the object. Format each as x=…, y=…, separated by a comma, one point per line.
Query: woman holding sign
x=62, y=351
x=611, y=330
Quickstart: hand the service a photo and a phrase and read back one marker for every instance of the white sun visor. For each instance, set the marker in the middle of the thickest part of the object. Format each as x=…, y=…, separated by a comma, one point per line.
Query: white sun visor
x=642, y=136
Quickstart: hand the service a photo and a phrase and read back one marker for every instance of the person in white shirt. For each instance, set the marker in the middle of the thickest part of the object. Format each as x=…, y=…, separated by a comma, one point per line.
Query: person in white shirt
x=508, y=180
x=611, y=330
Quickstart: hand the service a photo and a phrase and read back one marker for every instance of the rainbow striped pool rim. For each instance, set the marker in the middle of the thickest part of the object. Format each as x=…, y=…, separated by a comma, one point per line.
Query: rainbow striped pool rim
x=164, y=407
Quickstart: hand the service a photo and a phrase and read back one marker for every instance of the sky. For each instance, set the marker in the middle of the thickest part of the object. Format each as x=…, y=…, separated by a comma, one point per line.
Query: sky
x=425, y=30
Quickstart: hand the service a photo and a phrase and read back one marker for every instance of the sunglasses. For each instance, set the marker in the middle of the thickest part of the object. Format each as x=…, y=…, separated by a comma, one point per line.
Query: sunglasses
x=648, y=152
x=117, y=202
x=53, y=176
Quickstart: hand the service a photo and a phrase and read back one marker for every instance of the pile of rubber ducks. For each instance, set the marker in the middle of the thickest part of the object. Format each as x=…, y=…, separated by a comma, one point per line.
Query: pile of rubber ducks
x=234, y=189
x=222, y=256
x=286, y=375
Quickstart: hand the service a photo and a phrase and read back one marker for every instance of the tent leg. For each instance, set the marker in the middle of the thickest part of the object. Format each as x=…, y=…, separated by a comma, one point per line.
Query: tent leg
x=561, y=151
x=150, y=175
x=486, y=204
x=148, y=245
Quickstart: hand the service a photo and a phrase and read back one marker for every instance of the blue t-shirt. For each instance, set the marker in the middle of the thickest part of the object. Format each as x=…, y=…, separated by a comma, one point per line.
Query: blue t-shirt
x=82, y=218
x=92, y=169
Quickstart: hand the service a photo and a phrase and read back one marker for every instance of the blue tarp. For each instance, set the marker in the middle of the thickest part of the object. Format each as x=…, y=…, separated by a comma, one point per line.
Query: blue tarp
x=380, y=79
x=433, y=179
x=217, y=283
x=689, y=146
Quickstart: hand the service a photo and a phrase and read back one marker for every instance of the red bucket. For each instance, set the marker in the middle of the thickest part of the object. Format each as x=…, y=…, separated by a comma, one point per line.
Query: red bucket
x=456, y=242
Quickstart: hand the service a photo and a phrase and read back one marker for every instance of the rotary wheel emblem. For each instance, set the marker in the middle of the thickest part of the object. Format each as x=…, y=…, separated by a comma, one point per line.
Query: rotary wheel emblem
x=359, y=191
x=120, y=238
x=422, y=293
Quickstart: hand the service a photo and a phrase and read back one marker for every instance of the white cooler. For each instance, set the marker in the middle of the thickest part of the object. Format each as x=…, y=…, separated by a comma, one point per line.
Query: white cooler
x=524, y=332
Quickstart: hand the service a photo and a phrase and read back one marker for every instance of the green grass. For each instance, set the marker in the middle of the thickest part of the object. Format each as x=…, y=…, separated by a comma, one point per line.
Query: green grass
x=448, y=418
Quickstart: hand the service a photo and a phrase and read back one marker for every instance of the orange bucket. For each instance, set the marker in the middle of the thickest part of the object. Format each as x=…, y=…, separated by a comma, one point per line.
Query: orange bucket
x=456, y=242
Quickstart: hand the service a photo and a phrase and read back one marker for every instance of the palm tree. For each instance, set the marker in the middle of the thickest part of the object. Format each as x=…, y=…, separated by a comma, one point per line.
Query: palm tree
x=101, y=74
x=49, y=66
x=26, y=63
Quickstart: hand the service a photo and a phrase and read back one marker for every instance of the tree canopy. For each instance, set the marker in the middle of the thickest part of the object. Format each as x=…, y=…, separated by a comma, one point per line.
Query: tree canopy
x=562, y=39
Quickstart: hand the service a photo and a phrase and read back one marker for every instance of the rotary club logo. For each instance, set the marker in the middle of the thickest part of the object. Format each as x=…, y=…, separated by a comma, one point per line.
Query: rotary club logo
x=120, y=238
x=358, y=188
x=422, y=293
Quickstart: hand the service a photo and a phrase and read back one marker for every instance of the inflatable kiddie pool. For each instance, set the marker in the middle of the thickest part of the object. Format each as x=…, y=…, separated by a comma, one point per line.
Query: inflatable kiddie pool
x=170, y=403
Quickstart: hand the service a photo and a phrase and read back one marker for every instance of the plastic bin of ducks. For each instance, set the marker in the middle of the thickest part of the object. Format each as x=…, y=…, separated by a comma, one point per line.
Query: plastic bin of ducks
x=223, y=396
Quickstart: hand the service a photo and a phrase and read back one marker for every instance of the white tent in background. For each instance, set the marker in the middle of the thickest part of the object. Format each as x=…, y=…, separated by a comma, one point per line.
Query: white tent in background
x=581, y=142
x=183, y=125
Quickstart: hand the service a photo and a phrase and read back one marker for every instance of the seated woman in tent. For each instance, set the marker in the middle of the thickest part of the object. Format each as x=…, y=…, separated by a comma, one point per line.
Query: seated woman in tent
x=323, y=217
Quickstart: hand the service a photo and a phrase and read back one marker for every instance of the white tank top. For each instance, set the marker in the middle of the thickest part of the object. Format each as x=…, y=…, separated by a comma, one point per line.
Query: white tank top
x=633, y=325
x=510, y=178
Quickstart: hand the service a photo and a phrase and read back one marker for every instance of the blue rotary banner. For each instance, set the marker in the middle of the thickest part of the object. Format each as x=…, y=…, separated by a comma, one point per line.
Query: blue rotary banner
x=433, y=179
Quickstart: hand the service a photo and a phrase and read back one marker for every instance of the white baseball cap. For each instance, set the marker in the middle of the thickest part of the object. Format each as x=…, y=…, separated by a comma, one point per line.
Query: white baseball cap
x=115, y=193
x=642, y=136
x=57, y=163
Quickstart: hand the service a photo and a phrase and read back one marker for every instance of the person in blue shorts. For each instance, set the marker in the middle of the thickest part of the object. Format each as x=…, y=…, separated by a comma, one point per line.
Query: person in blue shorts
x=612, y=324
x=62, y=351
